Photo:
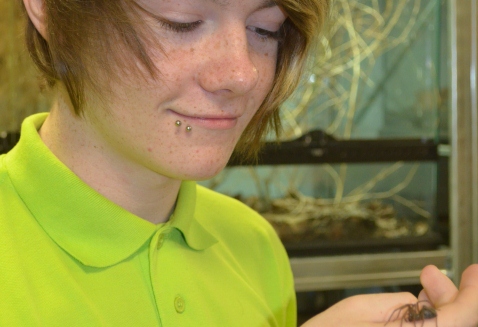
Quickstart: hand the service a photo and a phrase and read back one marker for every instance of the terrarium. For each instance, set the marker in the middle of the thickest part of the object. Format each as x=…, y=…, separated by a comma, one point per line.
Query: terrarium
x=361, y=152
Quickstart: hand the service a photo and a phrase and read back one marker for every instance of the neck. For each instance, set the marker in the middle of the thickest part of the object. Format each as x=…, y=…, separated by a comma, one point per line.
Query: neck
x=136, y=188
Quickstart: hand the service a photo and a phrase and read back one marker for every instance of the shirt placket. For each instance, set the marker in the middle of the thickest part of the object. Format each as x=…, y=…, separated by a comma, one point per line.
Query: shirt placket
x=158, y=250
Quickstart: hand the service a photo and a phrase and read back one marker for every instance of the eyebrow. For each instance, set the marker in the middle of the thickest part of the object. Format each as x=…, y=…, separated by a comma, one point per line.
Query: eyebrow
x=265, y=4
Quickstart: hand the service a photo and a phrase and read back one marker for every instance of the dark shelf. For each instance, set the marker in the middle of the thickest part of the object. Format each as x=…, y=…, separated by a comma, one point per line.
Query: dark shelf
x=318, y=147
x=430, y=241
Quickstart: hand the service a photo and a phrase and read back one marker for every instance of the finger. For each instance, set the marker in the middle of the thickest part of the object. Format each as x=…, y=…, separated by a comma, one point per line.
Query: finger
x=372, y=307
x=439, y=289
x=467, y=299
x=380, y=308
x=469, y=278
x=463, y=311
x=423, y=296
x=414, y=314
x=363, y=310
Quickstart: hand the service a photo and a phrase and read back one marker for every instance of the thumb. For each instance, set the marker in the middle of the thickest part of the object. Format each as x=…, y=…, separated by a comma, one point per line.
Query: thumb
x=463, y=311
x=438, y=288
x=469, y=287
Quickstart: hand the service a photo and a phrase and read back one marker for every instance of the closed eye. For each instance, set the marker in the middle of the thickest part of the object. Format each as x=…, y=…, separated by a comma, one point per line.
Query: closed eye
x=265, y=34
x=178, y=26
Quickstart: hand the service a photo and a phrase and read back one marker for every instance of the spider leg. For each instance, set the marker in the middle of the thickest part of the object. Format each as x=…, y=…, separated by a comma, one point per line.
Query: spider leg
x=398, y=310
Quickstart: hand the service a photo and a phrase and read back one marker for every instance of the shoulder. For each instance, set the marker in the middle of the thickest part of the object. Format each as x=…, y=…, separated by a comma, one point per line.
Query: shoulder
x=215, y=208
x=252, y=245
x=220, y=202
x=6, y=189
x=238, y=228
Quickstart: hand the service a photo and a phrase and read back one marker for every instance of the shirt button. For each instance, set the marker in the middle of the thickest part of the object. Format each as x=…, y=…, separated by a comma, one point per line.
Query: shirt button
x=179, y=304
x=160, y=242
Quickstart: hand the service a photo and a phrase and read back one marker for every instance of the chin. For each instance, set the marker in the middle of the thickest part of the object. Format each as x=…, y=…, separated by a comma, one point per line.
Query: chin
x=207, y=174
x=206, y=170
x=203, y=164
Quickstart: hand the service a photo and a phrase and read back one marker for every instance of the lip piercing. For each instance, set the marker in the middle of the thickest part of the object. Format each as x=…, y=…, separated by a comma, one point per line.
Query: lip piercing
x=178, y=123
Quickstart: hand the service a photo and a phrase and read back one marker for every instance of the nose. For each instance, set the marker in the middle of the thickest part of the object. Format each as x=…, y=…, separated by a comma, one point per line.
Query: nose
x=228, y=66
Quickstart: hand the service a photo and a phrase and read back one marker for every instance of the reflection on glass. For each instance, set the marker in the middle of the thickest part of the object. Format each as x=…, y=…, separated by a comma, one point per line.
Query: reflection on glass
x=379, y=75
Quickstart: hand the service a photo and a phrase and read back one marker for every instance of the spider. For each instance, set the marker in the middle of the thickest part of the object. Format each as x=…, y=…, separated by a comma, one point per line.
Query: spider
x=414, y=313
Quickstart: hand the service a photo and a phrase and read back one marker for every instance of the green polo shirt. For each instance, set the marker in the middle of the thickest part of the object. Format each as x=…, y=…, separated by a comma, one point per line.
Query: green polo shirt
x=70, y=257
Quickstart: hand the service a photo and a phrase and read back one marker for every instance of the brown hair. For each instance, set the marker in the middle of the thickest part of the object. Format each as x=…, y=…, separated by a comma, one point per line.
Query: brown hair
x=300, y=30
x=77, y=46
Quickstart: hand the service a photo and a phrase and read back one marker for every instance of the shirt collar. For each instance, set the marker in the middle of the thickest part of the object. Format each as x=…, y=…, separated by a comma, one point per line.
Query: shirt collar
x=193, y=231
x=94, y=230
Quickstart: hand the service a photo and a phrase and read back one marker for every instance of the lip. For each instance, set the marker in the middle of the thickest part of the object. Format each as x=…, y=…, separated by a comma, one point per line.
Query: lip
x=209, y=122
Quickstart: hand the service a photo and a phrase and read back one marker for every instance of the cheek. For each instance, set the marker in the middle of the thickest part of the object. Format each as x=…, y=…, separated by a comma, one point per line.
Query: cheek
x=268, y=62
x=266, y=82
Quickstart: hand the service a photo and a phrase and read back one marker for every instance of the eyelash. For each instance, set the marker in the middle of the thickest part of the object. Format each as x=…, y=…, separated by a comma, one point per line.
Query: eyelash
x=261, y=33
x=179, y=27
x=265, y=34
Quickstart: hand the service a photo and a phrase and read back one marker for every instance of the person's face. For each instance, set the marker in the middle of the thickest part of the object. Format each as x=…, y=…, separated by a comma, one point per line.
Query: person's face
x=217, y=62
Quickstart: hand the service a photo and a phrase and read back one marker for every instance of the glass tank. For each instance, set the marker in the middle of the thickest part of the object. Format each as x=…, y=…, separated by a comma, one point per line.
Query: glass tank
x=377, y=79
x=378, y=73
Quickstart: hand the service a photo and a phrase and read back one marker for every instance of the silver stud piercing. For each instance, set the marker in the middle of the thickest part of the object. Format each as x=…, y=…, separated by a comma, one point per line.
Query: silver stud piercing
x=188, y=128
x=178, y=123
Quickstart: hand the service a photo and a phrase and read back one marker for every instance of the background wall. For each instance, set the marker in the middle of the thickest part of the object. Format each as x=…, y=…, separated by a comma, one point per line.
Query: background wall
x=19, y=83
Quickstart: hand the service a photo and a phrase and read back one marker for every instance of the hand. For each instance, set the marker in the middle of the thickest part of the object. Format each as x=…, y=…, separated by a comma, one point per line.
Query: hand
x=455, y=308
x=362, y=310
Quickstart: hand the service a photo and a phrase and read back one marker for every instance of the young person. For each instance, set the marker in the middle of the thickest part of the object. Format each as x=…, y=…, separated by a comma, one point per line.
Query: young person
x=101, y=223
